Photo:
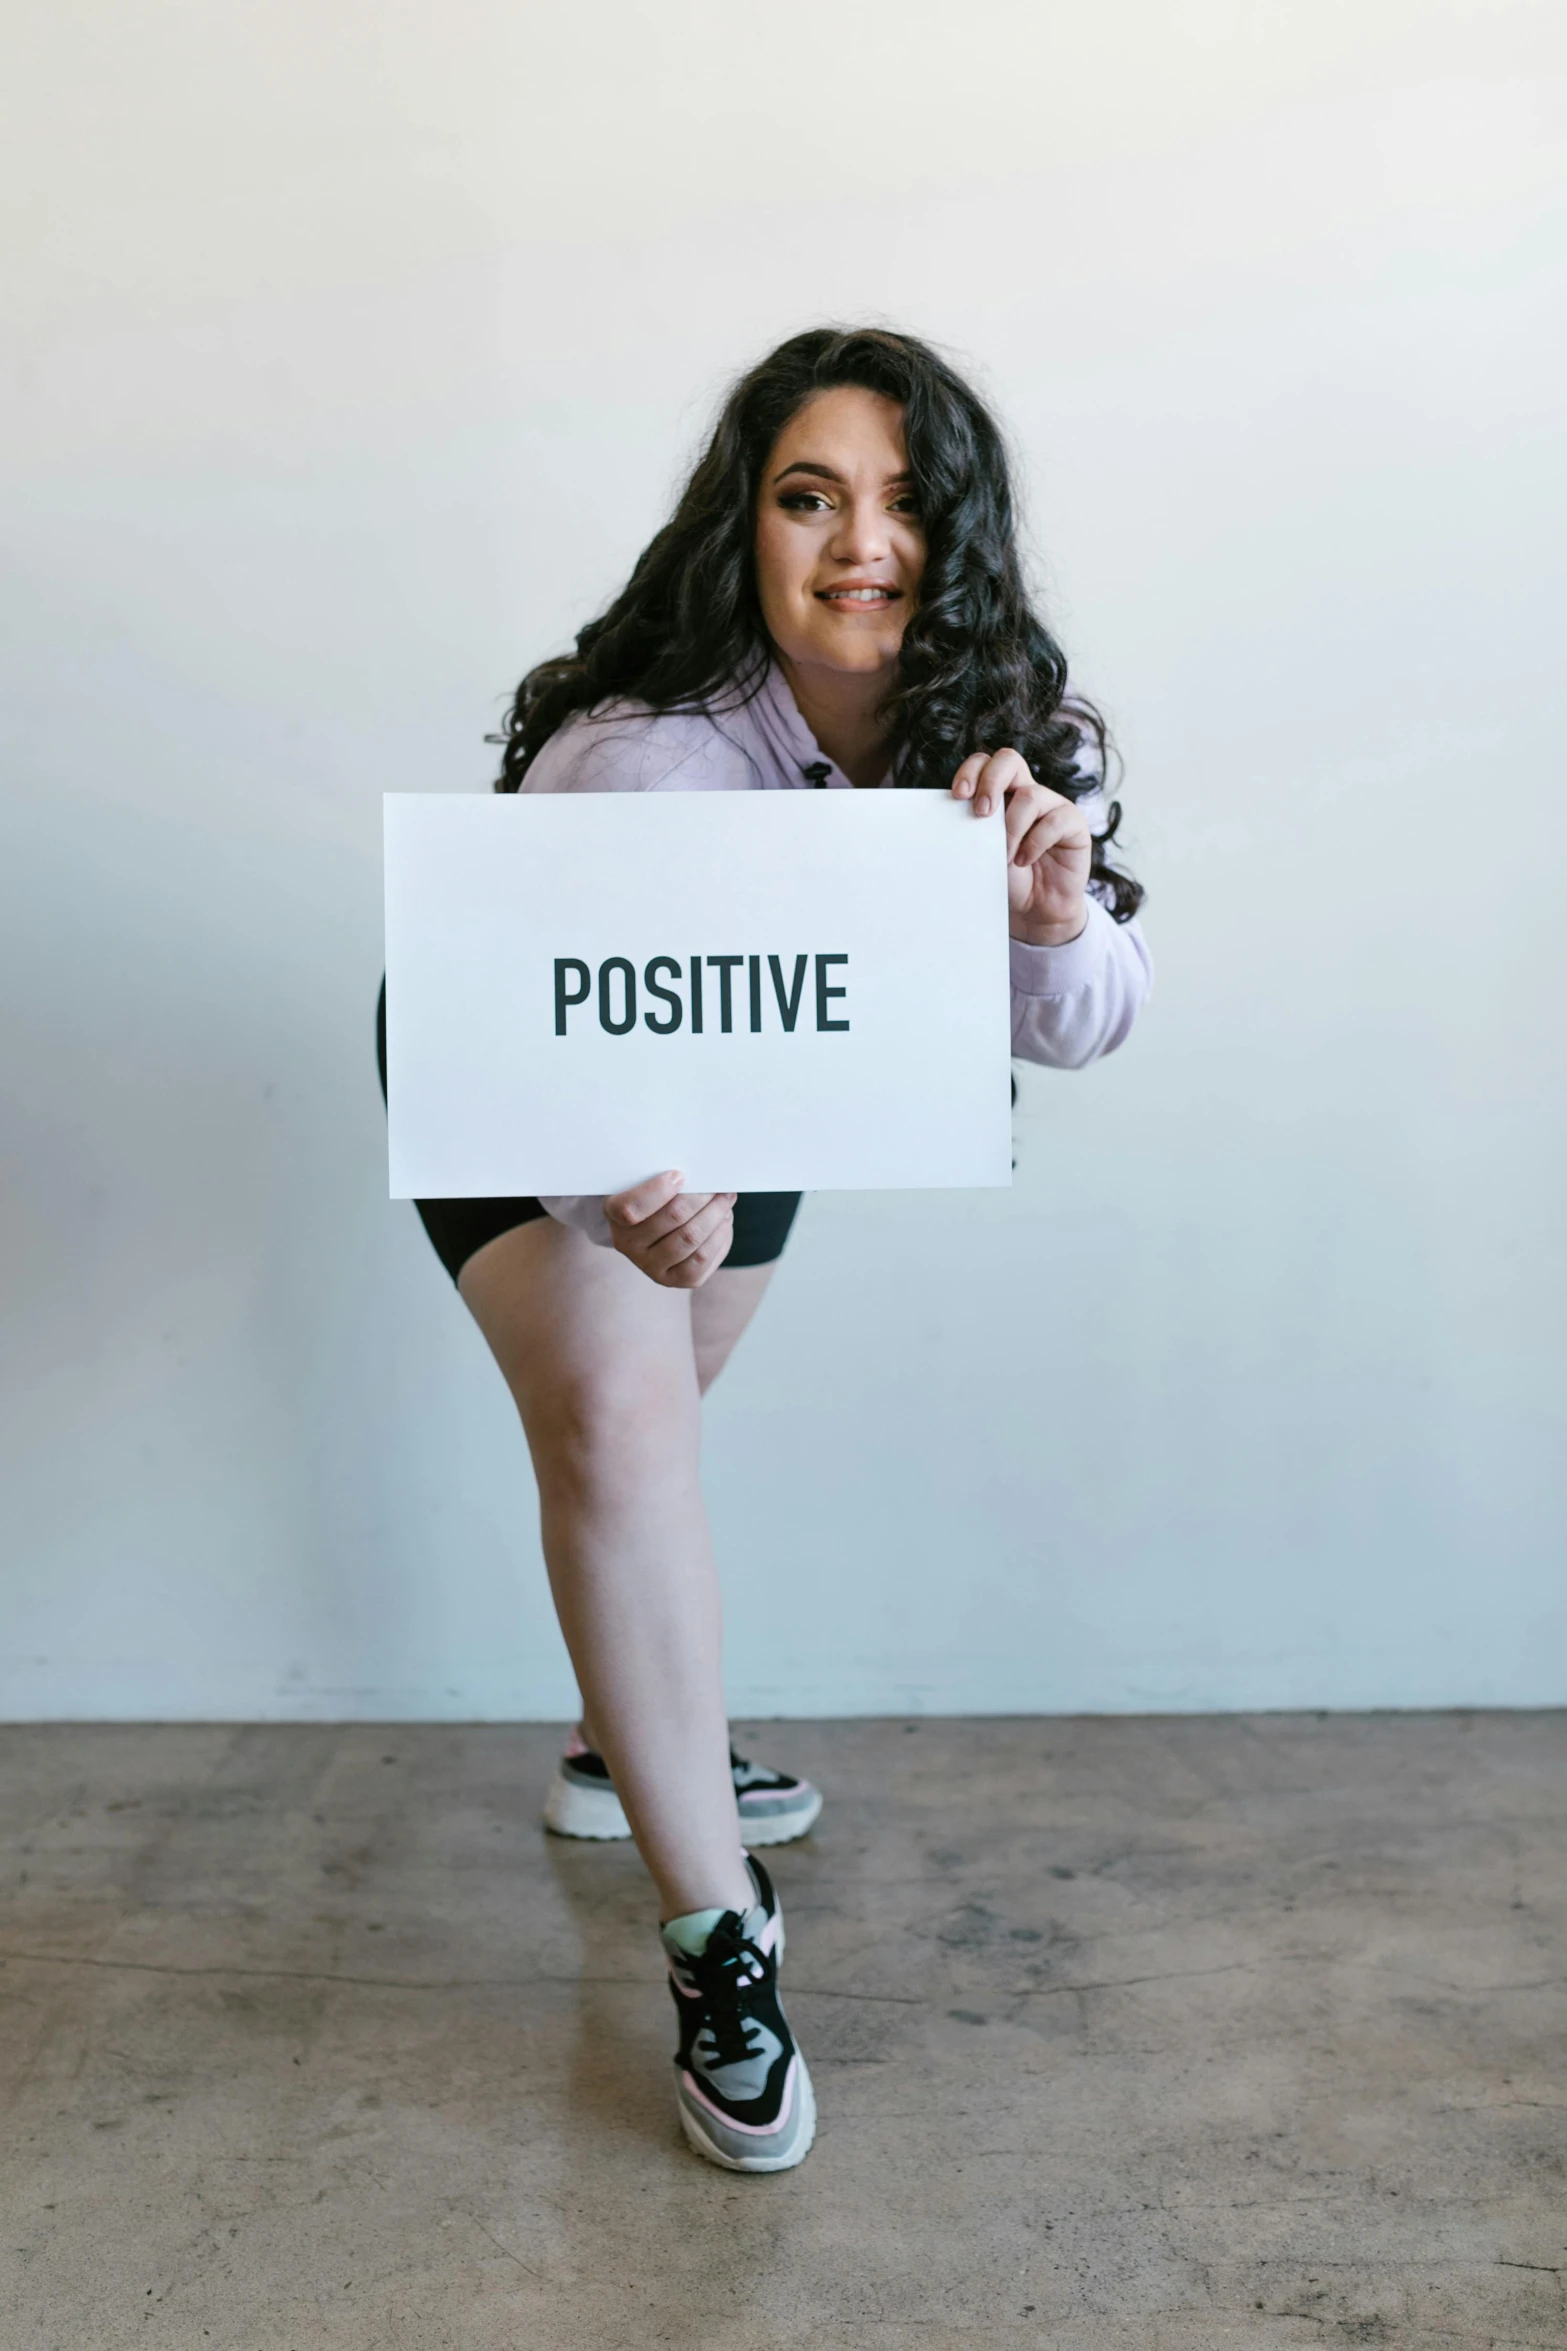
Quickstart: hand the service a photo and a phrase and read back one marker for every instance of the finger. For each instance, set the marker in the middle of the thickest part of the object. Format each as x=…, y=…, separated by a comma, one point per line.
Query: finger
x=668, y=1219
x=1052, y=828
x=666, y=1223
x=663, y=1221
x=714, y=1225
x=688, y=1273
x=968, y=775
x=700, y=1266
x=635, y=1205
x=695, y=1233
x=999, y=770
x=1024, y=804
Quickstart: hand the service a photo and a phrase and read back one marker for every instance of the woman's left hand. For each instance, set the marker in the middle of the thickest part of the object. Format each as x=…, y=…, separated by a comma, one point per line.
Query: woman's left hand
x=1048, y=845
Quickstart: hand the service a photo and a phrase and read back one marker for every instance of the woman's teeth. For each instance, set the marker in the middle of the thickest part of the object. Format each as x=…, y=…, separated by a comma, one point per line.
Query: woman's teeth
x=858, y=595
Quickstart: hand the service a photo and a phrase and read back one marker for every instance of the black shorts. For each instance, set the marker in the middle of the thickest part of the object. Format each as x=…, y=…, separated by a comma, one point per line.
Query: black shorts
x=458, y=1227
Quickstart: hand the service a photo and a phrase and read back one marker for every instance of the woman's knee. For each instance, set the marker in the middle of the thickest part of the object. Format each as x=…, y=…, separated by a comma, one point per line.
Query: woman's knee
x=592, y=1435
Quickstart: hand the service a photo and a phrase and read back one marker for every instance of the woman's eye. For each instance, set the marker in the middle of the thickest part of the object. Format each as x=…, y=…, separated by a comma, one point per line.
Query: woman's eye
x=802, y=501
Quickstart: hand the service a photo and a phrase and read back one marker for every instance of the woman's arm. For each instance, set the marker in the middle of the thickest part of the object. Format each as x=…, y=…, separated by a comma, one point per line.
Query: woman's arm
x=1078, y=976
x=1072, y=1004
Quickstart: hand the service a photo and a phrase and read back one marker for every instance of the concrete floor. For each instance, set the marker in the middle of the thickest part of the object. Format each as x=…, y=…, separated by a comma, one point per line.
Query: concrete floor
x=1166, y=2034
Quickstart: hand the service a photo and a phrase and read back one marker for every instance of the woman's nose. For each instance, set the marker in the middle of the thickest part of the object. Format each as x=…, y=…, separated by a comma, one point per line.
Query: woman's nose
x=861, y=536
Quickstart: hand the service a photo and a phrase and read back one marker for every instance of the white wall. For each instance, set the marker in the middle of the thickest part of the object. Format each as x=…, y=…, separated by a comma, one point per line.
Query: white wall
x=360, y=348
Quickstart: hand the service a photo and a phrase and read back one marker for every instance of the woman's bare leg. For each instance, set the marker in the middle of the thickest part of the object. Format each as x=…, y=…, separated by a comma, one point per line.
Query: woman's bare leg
x=602, y=1363
x=720, y=1311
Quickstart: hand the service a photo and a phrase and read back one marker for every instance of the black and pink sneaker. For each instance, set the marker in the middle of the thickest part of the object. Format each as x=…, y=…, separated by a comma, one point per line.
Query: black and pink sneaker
x=774, y=1808
x=743, y=2090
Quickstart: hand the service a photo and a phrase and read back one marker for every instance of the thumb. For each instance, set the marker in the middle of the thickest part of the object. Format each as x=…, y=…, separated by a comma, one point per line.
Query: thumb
x=635, y=1206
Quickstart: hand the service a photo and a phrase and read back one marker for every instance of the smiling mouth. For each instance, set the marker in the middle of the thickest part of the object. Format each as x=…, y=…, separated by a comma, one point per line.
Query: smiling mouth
x=858, y=599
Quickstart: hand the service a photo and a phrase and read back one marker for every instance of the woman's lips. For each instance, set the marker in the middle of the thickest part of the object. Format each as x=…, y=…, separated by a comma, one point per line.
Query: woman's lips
x=872, y=597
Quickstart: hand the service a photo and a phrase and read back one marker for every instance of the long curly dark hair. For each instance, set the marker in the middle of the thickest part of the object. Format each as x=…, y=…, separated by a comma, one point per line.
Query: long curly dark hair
x=977, y=669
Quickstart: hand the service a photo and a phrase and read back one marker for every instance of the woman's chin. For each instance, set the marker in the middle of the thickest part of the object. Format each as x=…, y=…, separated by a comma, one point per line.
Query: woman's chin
x=848, y=655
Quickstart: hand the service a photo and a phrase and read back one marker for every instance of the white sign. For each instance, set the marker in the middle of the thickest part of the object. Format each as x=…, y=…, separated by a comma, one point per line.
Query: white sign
x=771, y=991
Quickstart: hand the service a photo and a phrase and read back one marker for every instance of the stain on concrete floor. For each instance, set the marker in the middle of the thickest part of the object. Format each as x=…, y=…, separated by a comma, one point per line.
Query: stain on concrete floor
x=1166, y=2034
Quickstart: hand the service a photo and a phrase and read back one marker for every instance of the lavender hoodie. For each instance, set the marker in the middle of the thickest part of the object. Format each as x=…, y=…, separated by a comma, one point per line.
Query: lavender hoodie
x=1069, y=1004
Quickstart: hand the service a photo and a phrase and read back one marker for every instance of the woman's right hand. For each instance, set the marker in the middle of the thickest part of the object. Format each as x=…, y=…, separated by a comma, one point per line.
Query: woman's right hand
x=676, y=1238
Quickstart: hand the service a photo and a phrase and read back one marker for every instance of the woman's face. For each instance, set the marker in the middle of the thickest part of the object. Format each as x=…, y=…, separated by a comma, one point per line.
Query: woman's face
x=839, y=545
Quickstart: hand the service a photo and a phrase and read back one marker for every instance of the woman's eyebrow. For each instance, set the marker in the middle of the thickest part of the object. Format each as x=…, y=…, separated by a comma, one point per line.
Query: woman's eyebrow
x=825, y=473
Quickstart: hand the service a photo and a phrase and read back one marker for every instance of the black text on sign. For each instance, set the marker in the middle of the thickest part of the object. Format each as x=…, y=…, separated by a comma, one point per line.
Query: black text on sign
x=678, y=993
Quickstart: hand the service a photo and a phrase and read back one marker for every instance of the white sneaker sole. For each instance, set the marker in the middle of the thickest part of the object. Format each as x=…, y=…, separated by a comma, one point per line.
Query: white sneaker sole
x=778, y=1828
x=571, y=1810
x=698, y=2139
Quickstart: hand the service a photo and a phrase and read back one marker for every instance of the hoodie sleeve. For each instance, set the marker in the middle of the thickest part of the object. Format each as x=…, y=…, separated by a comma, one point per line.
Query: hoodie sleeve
x=583, y=1211
x=1072, y=1004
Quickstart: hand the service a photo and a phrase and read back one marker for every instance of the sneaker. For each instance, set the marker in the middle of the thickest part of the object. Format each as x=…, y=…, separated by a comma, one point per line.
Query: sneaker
x=742, y=2088
x=774, y=1808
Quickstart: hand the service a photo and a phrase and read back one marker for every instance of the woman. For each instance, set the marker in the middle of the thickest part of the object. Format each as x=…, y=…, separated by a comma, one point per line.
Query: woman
x=836, y=603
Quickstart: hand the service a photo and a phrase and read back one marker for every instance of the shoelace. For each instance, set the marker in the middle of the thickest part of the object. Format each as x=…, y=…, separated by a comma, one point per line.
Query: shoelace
x=724, y=1974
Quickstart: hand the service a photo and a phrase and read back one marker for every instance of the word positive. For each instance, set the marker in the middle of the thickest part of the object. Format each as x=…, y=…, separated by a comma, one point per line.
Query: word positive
x=665, y=976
